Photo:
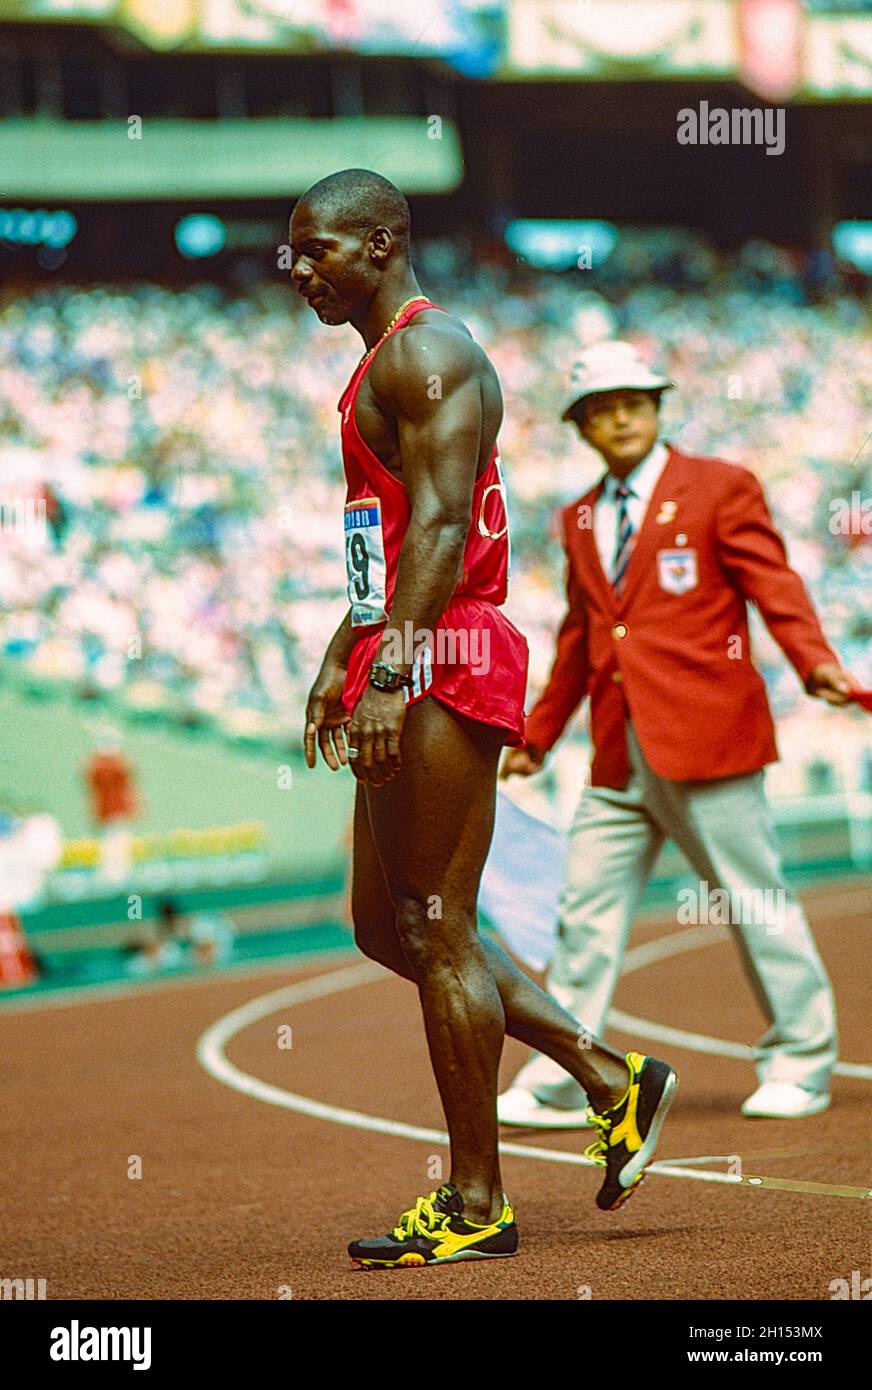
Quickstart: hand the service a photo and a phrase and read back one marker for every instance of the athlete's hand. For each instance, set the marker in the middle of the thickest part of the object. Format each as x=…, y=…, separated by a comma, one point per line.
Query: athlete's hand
x=327, y=717
x=829, y=682
x=375, y=732
x=521, y=762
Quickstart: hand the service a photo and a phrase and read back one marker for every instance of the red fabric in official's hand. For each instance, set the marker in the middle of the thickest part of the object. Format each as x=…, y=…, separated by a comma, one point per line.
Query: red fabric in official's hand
x=863, y=697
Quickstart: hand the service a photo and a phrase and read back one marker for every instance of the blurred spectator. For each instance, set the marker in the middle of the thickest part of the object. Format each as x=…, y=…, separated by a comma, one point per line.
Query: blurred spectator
x=30, y=848
x=110, y=780
x=161, y=948
x=207, y=940
x=211, y=936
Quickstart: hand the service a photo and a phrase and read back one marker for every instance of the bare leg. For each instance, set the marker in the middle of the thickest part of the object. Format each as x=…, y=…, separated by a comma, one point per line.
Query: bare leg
x=431, y=830
x=532, y=1015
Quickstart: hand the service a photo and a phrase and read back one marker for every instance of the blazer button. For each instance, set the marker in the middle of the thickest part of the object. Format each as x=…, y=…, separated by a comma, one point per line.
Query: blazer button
x=620, y=630
x=617, y=677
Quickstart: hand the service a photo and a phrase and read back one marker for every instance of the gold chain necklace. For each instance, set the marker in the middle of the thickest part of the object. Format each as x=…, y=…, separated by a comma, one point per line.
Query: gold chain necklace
x=393, y=323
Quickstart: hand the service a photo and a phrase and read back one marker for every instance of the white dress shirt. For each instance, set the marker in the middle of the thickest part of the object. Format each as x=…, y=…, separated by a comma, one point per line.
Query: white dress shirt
x=643, y=480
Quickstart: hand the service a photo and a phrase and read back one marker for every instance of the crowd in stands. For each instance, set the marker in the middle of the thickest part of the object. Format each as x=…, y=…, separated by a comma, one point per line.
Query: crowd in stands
x=184, y=445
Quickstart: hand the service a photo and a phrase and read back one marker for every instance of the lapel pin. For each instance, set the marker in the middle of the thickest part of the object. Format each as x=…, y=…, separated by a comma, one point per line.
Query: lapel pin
x=667, y=512
x=681, y=539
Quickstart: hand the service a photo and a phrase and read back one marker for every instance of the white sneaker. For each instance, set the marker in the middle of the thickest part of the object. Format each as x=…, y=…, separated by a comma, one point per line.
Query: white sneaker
x=518, y=1106
x=784, y=1100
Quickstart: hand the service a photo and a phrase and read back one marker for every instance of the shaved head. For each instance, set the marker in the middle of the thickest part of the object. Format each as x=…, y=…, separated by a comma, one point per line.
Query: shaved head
x=357, y=201
x=350, y=249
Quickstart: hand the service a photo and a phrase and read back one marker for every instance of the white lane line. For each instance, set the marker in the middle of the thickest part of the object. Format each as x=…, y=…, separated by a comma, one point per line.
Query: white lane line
x=662, y=947
x=692, y=939
x=212, y=1057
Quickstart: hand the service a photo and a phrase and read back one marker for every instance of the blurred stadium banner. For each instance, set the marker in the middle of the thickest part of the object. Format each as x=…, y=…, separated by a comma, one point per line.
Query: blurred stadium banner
x=770, y=40
x=839, y=56
x=465, y=33
x=175, y=159
x=780, y=49
x=620, y=38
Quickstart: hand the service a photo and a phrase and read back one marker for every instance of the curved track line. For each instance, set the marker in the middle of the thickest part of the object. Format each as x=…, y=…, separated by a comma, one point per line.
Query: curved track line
x=692, y=939
x=212, y=1057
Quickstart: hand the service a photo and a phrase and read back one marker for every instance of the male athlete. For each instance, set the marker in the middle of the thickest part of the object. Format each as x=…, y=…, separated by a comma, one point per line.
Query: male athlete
x=427, y=553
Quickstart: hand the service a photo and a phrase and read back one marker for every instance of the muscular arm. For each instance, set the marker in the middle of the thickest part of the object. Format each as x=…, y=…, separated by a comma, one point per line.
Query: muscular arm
x=341, y=643
x=430, y=383
x=326, y=715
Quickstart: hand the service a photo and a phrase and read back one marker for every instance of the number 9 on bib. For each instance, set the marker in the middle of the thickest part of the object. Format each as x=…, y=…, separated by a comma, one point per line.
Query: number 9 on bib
x=365, y=561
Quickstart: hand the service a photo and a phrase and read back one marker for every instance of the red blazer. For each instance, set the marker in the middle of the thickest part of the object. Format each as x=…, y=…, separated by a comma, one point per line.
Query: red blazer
x=673, y=651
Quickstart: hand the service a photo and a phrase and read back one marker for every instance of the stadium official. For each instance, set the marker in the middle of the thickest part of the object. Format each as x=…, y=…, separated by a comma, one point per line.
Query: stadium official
x=664, y=555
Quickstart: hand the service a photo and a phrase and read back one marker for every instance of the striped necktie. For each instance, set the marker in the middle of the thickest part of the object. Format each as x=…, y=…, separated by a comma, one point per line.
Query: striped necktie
x=624, y=546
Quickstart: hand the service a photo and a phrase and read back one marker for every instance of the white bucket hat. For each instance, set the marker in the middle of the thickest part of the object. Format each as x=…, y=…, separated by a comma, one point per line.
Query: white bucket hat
x=611, y=366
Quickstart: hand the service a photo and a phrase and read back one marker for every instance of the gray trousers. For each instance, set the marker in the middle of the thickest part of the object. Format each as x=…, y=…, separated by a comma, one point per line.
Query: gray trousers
x=725, y=829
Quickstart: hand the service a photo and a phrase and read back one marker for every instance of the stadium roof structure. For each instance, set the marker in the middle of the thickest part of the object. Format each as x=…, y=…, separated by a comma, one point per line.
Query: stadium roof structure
x=182, y=159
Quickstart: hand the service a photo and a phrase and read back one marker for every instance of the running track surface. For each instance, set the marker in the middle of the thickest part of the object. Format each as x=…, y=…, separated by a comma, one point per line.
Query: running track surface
x=243, y=1199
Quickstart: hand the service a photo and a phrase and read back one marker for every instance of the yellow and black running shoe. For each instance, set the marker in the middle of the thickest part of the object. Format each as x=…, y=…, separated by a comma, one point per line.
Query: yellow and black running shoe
x=628, y=1132
x=434, y=1232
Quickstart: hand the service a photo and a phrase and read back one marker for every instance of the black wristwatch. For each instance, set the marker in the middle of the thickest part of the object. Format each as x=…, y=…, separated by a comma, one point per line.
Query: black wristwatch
x=386, y=677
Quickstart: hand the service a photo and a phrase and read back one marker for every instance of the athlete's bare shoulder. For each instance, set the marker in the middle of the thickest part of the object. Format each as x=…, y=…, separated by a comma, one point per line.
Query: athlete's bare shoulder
x=435, y=353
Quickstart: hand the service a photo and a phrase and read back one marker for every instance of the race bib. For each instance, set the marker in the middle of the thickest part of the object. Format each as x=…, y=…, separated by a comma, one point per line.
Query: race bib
x=677, y=571
x=365, y=561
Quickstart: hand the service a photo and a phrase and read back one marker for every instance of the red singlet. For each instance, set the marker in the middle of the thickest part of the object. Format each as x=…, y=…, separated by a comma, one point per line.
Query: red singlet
x=477, y=662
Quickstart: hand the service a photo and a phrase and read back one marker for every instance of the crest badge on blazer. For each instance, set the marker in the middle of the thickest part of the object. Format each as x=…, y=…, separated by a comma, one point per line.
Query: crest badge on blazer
x=677, y=571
